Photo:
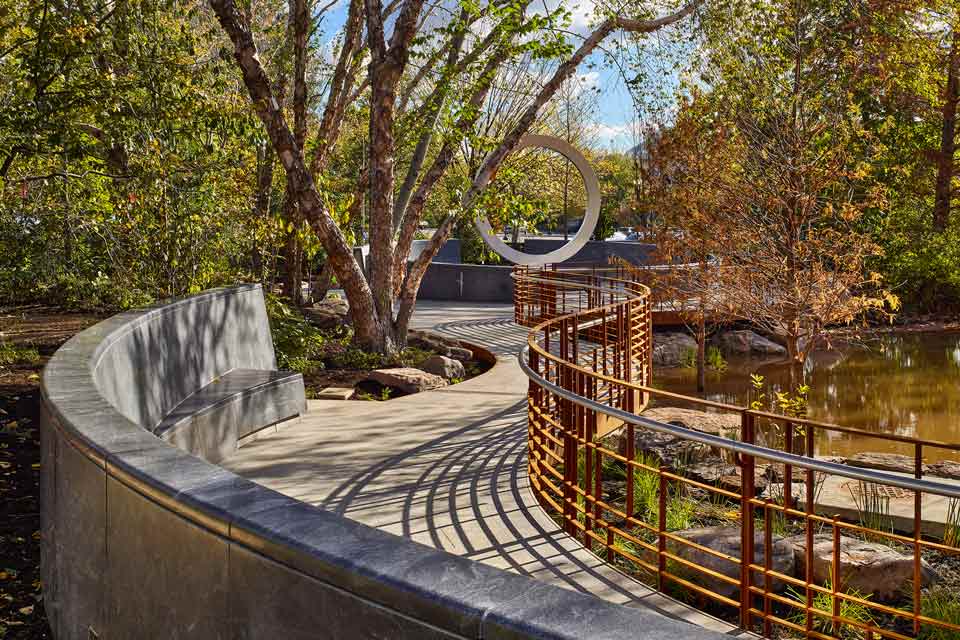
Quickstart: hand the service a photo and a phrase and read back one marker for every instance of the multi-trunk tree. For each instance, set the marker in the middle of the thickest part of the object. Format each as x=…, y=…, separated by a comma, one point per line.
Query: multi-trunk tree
x=457, y=66
x=764, y=175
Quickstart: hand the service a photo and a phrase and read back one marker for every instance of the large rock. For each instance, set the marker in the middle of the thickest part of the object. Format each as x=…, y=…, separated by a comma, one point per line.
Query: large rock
x=904, y=464
x=669, y=348
x=710, y=470
x=438, y=344
x=882, y=462
x=667, y=450
x=444, y=367
x=328, y=314
x=744, y=342
x=943, y=469
x=726, y=540
x=718, y=424
x=871, y=568
x=407, y=379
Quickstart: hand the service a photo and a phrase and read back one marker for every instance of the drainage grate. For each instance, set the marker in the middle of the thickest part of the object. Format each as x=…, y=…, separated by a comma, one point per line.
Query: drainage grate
x=882, y=490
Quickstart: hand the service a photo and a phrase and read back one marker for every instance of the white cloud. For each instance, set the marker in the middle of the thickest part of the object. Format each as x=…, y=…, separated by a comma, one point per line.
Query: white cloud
x=611, y=136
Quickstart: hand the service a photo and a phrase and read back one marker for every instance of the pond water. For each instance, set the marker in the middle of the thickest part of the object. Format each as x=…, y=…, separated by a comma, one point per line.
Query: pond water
x=898, y=383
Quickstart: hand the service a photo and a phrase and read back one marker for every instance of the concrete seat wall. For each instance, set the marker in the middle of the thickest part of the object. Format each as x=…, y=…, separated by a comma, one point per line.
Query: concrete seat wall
x=140, y=539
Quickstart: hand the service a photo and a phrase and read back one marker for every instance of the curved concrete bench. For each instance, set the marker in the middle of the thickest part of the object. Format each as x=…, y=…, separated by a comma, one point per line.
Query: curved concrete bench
x=142, y=539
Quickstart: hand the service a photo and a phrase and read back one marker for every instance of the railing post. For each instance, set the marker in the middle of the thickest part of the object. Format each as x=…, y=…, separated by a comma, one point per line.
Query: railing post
x=767, y=564
x=788, y=469
x=808, y=550
x=835, y=576
x=661, y=529
x=629, y=454
x=917, y=524
x=746, y=513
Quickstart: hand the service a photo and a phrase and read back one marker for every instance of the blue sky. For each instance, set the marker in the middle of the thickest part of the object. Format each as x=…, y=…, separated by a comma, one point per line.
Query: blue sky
x=613, y=124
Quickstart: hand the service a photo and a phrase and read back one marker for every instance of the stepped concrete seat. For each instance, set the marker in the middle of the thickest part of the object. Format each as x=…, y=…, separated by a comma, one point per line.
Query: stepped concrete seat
x=211, y=421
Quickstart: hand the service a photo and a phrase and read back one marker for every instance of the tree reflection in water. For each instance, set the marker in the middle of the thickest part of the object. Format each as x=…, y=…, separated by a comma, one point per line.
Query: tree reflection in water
x=903, y=383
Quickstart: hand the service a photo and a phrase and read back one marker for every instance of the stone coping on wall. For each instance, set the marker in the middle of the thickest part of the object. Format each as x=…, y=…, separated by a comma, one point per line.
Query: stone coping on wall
x=141, y=539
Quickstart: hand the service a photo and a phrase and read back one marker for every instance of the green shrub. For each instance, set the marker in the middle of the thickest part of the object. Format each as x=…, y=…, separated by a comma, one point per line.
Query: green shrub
x=715, y=359
x=356, y=358
x=295, y=340
x=12, y=354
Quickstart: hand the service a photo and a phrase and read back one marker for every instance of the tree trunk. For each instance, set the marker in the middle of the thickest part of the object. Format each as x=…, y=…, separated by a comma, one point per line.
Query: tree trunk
x=294, y=247
x=371, y=305
x=701, y=349
x=323, y=282
x=793, y=347
x=261, y=206
x=948, y=139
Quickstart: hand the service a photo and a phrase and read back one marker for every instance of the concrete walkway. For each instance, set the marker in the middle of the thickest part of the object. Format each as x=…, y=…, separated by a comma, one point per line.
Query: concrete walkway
x=446, y=468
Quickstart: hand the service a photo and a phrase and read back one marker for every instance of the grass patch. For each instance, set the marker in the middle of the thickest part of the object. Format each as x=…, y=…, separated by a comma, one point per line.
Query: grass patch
x=940, y=603
x=873, y=510
x=823, y=604
x=951, y=528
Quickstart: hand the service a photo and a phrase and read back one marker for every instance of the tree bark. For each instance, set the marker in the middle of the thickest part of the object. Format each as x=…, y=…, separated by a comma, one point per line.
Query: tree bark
x=261, y=206
x=340, y=86
x=371, y=306
x=702, y=346
x=948, y=140
x=340, y=254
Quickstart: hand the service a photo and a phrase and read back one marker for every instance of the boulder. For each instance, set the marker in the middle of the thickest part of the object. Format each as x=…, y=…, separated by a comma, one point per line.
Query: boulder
x=776, y=473
x=459, y=353
x=710, y=470
x=439, y=344
x=871, y=568
x=726, y=540
x=407, y=379
x=614, y=489
x=328, y=314
x=943, y=469
x=718, y=424
x=669, y=348
x=904, y=464
x=734, y=482
x=744, y=342
x=668, y=450
x=444, y=367
x=882, y=462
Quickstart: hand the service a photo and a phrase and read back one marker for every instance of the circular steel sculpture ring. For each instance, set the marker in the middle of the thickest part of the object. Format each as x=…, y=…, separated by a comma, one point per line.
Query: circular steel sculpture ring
x=590, y=218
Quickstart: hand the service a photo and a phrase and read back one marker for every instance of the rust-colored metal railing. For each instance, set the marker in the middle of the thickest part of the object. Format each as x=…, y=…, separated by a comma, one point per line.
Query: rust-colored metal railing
x=588, y=358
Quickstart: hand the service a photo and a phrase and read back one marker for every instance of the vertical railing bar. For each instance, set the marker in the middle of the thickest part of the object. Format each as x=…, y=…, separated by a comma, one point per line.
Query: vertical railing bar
x=767, y=581
x=746, y=516
x=788, y=469
x=917, y=530
x=661, y=528
x=835, y=576
x=629, y=454
x=808, y=550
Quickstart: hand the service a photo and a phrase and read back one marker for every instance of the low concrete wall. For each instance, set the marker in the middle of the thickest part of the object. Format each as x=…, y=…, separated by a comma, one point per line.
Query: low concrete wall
x=449, y=252
x=594, y=252
x=467, y=282
x=144, y=540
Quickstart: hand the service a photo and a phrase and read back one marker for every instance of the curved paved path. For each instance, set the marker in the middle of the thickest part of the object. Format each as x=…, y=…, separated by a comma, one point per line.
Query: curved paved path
x=446, y=468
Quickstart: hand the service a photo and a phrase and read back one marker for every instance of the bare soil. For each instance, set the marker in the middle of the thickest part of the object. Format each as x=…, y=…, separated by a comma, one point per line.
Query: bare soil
x=21, y=590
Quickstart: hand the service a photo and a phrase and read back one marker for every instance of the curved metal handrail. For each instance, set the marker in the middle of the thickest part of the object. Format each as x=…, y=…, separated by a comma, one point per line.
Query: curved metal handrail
x=735, y=446
x=589, y=361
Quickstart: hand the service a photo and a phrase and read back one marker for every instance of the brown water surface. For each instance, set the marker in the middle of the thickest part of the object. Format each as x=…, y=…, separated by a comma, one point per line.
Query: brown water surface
x=898, y=383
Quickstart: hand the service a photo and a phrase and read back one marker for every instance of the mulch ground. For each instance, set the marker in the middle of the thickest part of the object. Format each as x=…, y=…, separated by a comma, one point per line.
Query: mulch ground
x=21, y=590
